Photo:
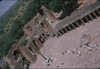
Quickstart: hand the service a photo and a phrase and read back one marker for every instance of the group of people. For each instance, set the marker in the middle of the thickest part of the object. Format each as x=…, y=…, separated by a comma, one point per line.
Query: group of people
x=49, y=61
x=85, y=43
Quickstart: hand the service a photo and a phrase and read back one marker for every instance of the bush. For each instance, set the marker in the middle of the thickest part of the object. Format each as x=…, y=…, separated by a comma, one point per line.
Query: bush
x=23, y=42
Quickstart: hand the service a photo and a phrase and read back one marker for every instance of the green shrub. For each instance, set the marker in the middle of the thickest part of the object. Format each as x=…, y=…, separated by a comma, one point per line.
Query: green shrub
x=23, y=42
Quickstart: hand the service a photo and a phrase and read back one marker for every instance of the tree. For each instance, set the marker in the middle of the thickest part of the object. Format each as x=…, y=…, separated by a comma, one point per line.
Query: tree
x=58, y=5
x=23, y=42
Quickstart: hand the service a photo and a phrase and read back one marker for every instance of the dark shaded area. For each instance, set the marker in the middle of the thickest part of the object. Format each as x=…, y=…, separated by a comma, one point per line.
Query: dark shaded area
x=64, y=30
x=69, y=9
x=75, y=24
x=92, y=15
x=16, y=54
x=25, y=62
x=84, y=20
x=41, y=12
x=97, y=13
x=71, y=26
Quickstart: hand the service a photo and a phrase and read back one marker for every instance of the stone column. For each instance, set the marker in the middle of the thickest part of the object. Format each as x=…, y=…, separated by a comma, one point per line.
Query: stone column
x=73, y=26
x=66, y=29
x=77, y=24
x=90, y=17
x=86, y=19
x=95, y=14
x=59, y=33
x=69, y=27
x=62, y=31
x=82, y=21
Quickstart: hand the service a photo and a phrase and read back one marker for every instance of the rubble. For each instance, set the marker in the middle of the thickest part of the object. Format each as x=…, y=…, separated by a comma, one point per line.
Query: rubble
x=87, y=44
x=76, y=52
x=48, y=61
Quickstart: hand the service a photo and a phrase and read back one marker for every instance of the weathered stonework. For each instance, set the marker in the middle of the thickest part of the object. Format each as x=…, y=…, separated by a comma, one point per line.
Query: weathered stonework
x=48, y=14
x=37, y=31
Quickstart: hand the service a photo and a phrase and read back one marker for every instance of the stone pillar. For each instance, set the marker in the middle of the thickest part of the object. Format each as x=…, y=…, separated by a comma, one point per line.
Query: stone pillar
x=90, y=17
x=66, y=29
x=73, y=26
x=38, y=43
x=82, y=21
x=77, y=24
x=59, y=33
x=62, y=31
x=95, y=14
x=69, y=27
x=86, y=19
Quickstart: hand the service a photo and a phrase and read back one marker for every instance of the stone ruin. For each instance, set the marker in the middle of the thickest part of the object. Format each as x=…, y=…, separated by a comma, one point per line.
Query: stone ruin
x=20, y=57
x=25, y=56
x=38, y=25
x=48, y=14
x=37, y=30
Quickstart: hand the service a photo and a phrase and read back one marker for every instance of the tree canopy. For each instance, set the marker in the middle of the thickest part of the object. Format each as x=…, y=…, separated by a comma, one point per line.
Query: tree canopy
x=16, y=30
x=58, y=5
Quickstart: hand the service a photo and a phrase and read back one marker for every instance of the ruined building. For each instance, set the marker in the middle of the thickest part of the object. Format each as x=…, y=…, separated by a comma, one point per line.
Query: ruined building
x=49, y=16
x=37, y=30
x=40, y=26
x=23, y=54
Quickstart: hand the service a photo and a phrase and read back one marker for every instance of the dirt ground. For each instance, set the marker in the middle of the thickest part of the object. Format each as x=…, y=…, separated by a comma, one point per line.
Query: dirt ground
x=69, y=41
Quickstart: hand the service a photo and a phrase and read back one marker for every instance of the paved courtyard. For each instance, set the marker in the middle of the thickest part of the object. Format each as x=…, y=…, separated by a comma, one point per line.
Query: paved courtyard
x=61, y=49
